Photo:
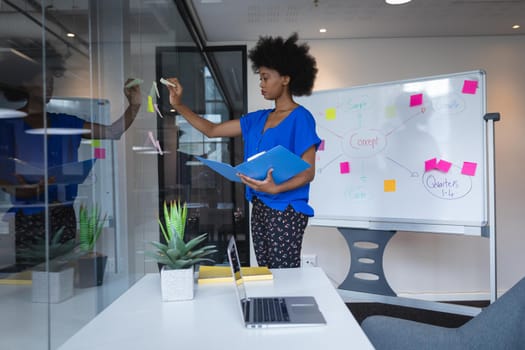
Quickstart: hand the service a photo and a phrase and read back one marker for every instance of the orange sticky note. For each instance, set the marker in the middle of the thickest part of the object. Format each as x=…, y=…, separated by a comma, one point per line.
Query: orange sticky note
x=390, y=185
x=330, y=114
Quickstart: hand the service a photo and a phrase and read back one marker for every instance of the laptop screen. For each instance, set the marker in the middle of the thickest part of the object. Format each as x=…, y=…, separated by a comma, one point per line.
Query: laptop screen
x=235, y=264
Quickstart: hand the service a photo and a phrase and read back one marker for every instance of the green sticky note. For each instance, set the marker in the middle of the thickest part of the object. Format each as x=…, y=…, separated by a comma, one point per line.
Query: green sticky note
x=390, y=111
x=95, y=143
x=150, y=105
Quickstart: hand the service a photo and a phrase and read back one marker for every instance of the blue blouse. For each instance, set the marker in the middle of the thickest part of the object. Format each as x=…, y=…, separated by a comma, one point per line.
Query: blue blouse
x=15, y=142
x=295, y=132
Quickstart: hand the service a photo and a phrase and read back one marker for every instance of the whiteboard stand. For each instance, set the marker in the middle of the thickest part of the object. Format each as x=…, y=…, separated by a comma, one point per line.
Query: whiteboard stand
x=366, y=267
x=490, y=118
x=366, y=280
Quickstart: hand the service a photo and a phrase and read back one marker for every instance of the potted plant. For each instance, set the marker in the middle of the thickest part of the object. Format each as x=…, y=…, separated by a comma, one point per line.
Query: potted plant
x=177, y=257
x=52, y=280
x=91, y=264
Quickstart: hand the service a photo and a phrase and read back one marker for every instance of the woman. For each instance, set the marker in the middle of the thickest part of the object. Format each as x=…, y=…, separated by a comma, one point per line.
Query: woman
x=280, y=211
x=23, y=82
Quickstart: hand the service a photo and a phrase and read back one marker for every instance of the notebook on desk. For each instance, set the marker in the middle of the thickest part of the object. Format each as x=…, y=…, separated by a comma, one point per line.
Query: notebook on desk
x=276, y=311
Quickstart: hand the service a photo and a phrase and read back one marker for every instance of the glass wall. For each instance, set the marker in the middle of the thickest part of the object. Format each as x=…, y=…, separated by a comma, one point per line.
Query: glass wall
x=84, y=134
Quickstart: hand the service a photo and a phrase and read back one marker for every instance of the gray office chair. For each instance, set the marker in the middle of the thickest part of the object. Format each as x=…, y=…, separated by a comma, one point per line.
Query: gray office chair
x=501, y=325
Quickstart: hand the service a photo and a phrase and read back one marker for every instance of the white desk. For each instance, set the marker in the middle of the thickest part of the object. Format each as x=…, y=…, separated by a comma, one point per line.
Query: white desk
x=140, y=320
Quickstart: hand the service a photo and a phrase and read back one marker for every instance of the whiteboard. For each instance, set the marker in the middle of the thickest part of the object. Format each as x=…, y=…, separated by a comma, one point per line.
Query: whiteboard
x=404, y=155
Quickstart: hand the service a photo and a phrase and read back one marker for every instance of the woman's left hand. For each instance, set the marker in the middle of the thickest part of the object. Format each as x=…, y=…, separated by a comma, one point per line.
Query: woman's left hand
x=267, y=185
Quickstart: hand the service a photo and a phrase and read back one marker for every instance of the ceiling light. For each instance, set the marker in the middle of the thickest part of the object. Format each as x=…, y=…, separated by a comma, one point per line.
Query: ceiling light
x=516, y=26
x=70, y=35
x=397, y=2
x=8, y=113
x=322, y=30
x=58, y=131
x=143, y=148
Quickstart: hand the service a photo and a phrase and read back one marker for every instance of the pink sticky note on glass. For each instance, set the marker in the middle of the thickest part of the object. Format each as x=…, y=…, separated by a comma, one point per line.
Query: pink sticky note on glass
x=469, y=168
x=430, y=164
x=321, y=146
x=416, y=100
x=100, y=153
x=470, y=86
x=443, y=166
x=344, y=167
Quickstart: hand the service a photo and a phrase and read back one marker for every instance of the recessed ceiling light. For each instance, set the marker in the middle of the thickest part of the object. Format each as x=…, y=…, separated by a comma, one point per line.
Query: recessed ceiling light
x=322, y=30
x=516, y=26
x=143, y=148
x=70, y=35
x=397, y=2
x=58, y=131
x=11, y=113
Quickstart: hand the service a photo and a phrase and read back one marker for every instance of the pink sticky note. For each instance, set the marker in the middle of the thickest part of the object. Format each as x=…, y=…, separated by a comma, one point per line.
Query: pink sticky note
x=156, y=106
x=152, y=138
x=157, y=146
x=344, y=167
x=100, y=153
x=469, y=86
x=443, y=166
x=430, y=164
x=416, y=100
x=321, y=146
x=469, y=168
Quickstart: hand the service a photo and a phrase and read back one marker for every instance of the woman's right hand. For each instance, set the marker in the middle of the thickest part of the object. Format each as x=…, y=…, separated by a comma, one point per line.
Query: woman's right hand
x=175, y=92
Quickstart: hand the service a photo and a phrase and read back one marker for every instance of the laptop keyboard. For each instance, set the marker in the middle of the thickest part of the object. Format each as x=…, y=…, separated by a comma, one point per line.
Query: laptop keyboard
x=267, y=310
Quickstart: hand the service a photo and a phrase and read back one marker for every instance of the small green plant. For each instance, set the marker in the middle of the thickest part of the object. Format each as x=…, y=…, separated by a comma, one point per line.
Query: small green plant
x=175, y=253
x=90, y=224
x=60, y=254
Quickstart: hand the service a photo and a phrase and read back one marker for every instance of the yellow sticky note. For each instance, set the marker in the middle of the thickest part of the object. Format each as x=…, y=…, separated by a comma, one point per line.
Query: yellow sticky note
x=95, y=143
x=330, y=113
x=150, y=105
x=390, y=185
x=390, y=111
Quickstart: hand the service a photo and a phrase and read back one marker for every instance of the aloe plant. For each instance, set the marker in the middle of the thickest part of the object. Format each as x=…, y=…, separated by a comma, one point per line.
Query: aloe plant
x=175, y=216
x=90, y=224
x=175, y=253
x=58, y=253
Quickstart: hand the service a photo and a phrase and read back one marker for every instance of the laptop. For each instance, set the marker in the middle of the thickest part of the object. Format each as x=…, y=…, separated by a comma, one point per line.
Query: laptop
x=276, y=311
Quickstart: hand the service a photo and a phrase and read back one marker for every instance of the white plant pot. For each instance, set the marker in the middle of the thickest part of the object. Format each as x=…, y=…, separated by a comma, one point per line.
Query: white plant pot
x=177, y=284
x=60, y=286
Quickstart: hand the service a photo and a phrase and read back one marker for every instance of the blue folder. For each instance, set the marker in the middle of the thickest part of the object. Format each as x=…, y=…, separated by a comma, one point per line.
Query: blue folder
x=284, y=163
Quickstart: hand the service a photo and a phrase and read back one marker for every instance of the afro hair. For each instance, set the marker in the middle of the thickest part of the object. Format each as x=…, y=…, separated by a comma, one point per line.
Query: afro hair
x=287, y=58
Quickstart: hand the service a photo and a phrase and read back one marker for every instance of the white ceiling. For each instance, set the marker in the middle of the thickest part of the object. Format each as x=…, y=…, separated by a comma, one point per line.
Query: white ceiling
x=246, y=20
